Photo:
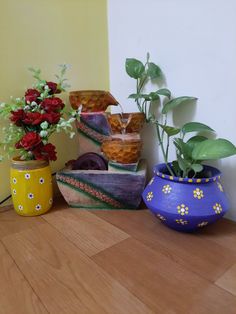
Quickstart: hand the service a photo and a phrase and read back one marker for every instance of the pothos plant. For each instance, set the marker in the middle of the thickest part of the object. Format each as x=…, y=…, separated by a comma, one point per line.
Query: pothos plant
x=192, y=151
x=35, y=117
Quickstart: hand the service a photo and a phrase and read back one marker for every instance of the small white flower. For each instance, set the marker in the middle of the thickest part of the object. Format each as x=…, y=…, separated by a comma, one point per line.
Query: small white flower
x=20, y=207
x=46, y=87
x=43, y=133
x=14, y=180
x=28, y=102
x=14, y=191
x=72, y=134
x=31, y=196
x=27, y=176
x=44, y=125
x=34, y=104
x=38, y=207
x=41, y=180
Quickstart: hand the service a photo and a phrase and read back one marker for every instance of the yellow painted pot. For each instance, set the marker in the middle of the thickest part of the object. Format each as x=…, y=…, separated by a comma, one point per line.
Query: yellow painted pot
x=31, y=186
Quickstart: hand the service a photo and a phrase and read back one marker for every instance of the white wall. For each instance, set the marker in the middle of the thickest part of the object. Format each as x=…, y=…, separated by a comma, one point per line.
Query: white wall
x=194, y=42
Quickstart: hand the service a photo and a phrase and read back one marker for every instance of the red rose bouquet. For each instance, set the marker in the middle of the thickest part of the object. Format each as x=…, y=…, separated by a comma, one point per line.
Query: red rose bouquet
x=34, y=117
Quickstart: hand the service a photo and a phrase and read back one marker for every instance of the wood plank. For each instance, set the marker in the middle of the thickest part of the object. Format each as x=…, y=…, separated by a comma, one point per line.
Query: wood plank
x=88, y=232
x=222, y=232
x=11, y=222
x=64, y=278
x=162, y=284
x=228, y=280
x=16, y=295
x=207, y=258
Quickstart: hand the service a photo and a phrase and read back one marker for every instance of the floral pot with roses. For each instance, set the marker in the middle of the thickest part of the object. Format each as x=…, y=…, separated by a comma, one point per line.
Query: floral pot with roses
x=33, y=119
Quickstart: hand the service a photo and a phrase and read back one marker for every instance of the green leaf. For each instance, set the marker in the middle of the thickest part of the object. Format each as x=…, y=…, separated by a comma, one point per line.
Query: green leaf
x=164, y=92
x=183, y=164
x=196, y=127
x=183, y=148
x=176, y=102
x=134, y=96
x=170, y=130
x=197, y=167
x=176, y=168
x=154, y=71
x=213, y=149
x=194, y=140
x=134, y=68
x=154, y=96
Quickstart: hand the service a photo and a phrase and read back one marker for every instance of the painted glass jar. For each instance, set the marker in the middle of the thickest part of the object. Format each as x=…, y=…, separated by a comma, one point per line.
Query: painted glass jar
x=31, y=186
x=186, y=204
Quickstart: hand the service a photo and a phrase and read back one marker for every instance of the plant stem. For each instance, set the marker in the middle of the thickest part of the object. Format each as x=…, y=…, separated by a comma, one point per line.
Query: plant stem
x=163, y=150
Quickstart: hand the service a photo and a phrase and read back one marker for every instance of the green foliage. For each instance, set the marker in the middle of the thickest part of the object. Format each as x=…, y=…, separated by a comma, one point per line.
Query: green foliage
x=196, y=127
x=213, y=149
x=189, y=154
x=173, y=103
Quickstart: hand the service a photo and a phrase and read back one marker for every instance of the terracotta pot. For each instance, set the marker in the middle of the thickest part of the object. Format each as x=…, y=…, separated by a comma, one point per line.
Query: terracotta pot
x=128, y=122
x=122, y=151
x=186, y=204
x=31, y=186
x=92, y=100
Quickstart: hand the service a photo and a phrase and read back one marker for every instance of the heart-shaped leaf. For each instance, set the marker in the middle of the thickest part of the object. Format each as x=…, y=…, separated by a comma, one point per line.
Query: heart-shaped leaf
x=134, y=68
x=213, y=149
x=170, y=130
x=170, y=105
x=196, y=127
x=154, y=71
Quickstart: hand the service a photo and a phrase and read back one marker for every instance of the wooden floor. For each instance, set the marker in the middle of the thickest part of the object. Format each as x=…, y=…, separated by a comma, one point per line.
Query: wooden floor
x=77, y=261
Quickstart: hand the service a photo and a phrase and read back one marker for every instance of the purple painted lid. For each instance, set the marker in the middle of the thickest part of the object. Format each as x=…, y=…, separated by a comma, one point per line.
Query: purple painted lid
x=213, y=174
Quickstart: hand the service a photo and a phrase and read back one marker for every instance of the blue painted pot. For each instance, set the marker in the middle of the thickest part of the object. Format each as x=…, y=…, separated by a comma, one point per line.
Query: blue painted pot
x=186, y=204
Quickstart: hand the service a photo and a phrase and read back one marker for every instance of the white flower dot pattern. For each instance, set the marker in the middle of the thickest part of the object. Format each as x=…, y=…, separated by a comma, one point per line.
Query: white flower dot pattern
x=183, y=209
x=202, y=224
x=30, y=196
x=20, y=207
x=149, y=196
x=197, y=193
x=27, y=176
x=41, y=180
x=50, y=201
x=217, y=208
x=160, y=217
x=38, y=207
x=14, y=191
x=14, y=180
x=181, y=221
x=166, y=189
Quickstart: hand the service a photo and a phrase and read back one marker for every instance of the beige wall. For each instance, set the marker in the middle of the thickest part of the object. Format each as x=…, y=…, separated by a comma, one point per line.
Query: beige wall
x=44, y=34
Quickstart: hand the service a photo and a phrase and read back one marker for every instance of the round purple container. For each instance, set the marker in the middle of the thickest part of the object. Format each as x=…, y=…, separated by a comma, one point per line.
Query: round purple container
x=186, y=204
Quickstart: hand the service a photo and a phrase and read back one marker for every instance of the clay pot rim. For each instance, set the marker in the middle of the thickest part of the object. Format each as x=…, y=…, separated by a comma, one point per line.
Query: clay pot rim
x=159, y=170
x=126, y=114
x=17, y=163
x=123, y=142
x=88, y=91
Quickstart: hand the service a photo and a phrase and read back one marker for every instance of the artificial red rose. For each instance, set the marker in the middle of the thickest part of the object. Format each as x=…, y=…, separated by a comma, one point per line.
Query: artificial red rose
x=45, y=152
x=17, y=117
x=49, y=150
x=32, y=95
x=52, y=104
x=53, y=88
x=29, y=141
x=52, y=117
x=33, y=118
